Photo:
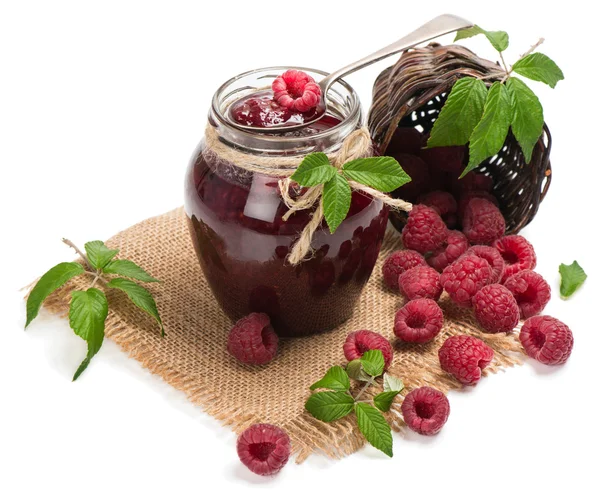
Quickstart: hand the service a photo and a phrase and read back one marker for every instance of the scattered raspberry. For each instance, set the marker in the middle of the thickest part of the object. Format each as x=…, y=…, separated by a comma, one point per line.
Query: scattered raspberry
x=465, y=277
x=420, y=282
x=518, y=254
x=424, y=230
x=443, y=203
x=456, y=244
x=466, y=197
x=418, y=321
x=296, y=90
x=492, y=256
x=496, y=309
x=444, y=158
x=399, y=262
x=418, y=171
x=406, y=140
x=464, y=357
x=482, y=222
x=425, y=410
x=359, y=342
x=264, y=449
x=531, y=291
x=547, y=340
x=252, y=340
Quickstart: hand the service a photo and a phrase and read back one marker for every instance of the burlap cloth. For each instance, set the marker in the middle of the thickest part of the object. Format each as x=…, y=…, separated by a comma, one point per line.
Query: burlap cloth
x=193, y=357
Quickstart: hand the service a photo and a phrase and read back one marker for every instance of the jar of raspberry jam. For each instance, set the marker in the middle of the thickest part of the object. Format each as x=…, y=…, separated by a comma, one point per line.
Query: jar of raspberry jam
x=236, y=214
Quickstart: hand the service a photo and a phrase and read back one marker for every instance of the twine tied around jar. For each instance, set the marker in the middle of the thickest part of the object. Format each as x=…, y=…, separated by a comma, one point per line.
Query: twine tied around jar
x=355, y=146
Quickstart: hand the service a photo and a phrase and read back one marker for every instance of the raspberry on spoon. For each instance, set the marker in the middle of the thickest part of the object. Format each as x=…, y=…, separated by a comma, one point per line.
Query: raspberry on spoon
x=296, y=90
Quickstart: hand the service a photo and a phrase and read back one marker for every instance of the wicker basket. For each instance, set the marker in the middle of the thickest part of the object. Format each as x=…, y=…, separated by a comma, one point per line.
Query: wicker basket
x=411, y=94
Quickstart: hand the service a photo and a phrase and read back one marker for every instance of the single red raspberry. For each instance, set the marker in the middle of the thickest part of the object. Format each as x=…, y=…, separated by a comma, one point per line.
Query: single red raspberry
x=518, y=254
x=464, y=357
x=493, y=257
x=406, y=140
x=466, y=197
x=456, y=245
x=264, y=449
x=252, y=340
x=425, y=410
x=296, y=90
x=443, y=203
x=419, y=174
x=424, y=230
x=444, y=158
x=496, y=309
x=465, y=277
x=399, y=262
x=359, y=342
x=420, y=282
x=531, y=291
x=418, y=321
x=482, y=222
x=546, y=339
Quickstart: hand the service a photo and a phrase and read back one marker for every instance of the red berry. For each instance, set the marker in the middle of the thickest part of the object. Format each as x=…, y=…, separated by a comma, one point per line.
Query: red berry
x=425, y=410
x=547, y=340
x=518, y=254
x=359, y=342
x=464, y=357
x=406, y=140
x=296, y=90
x=465, y=277
x=264, y=449
x=418, y=171
x=492, y=256
x=443, y=203
x=420, y=282
x=418, y=321
x=399, y=262
x=444, y=158
x=531, y=291
x=496, y=309
x=470, y=182
x=260, y=112
x=424, y=230
x=252, y=340
x=482, y=222
x=466, y=197
x=456, y=244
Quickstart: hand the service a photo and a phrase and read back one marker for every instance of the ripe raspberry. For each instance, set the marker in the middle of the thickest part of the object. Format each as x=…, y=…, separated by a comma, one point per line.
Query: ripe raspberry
x=466, y=197
x=296, y=90
x=418, y=321
x=424, y=230
x=496, y=309
x=252, y=340
x=264, y=449
x=420, y=282
x=482, y=222
x=547, y=340
x=443, y=203
x=405, y=140
x=464, y=357
x=465, y=277
x=399, y=262
x=359, y=342
x=444, y=158
x=456, y=245
x=425, y=410
x=518, y=254
x=419, y=174
x=492, y=256
x=530, y=290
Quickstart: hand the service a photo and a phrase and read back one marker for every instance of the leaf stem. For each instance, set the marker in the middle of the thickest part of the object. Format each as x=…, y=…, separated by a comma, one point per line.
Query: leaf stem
x=79, y=252
x=528, y=52
x=366, y=386
x=503, y=61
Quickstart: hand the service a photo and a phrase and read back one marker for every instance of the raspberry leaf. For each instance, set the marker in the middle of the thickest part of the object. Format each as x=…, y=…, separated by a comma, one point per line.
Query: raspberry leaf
x=382, y=173
x=571, y=278
x=335, y=379
x=374, y=427
x=336, y=201
x=98, y=254
x=373, y=362
x=528, y=116
x=127, y=268
x=391, y=383
x=329, y=406
x=314, y=169
x=460, y=114
x=538, y=66
x=354, y=369
x=383, y=401
x=498, y=39
x=48, y=283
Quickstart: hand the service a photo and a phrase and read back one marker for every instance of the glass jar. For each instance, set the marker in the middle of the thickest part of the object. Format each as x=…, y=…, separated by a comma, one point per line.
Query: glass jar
x=242, y=241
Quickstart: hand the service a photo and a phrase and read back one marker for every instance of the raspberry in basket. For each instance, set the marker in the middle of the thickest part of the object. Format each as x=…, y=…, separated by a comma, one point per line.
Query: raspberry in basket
x=483, y=223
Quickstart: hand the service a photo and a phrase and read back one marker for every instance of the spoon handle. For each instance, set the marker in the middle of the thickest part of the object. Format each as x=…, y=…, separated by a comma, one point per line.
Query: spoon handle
x=438, y=26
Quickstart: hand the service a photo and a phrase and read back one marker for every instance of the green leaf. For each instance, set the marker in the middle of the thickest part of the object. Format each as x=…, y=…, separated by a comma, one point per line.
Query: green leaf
x=391, y=383
x=335, y=379
x=355, y=371
x=571, y=278
x=538, y=66
x=329, y=406
x=383, y=401
x=528, y=116
x=140, y=297
x=48, y=283
x=373, y=362
x=98, y=254
x=127, y=268
x=381, y=173
x=460, y=114
x=374, y=427
x=490, y=133
x=87, y=312
x=314, y=170
x=336, y=201
x=498, y=39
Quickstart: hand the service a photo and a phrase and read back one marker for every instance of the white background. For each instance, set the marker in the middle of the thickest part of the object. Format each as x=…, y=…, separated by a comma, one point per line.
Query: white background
x=101, y=105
